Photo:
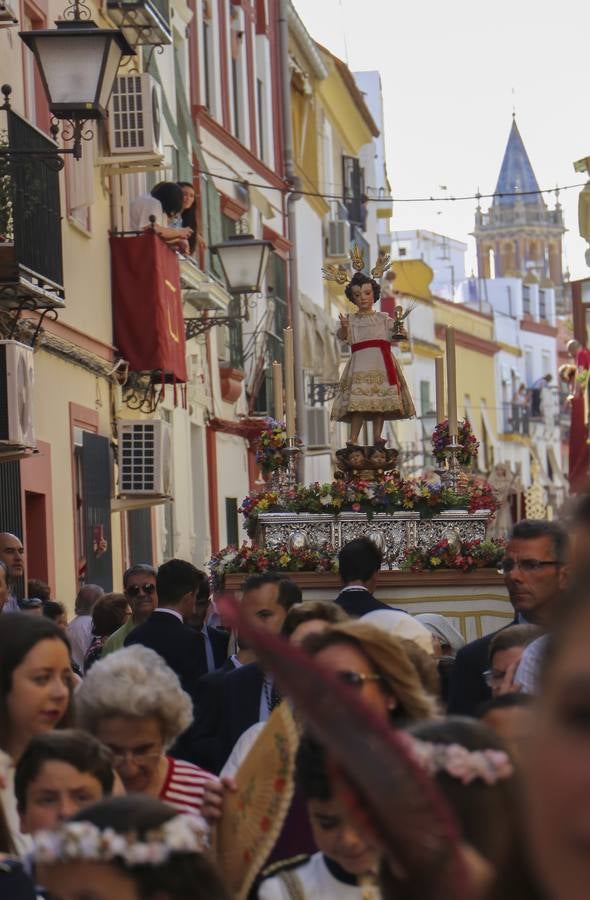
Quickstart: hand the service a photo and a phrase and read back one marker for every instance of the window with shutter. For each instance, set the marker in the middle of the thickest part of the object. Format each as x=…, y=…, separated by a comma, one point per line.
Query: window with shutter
x=352, y=190
x=96, y=478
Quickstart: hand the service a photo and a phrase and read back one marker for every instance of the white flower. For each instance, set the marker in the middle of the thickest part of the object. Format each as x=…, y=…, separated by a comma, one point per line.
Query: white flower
x=326, y=501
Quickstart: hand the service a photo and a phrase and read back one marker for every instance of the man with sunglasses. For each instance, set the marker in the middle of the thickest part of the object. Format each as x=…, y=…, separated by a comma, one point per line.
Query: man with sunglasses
x=139, y=585
x=535, y=574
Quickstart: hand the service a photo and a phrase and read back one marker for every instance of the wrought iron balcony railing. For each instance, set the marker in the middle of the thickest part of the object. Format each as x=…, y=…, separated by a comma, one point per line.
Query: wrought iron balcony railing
x=31, y=270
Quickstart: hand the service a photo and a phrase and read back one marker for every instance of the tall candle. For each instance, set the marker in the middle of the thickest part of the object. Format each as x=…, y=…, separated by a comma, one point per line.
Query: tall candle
x=451, y=381
x=289, y=381
x=277, y=385
x=439, y=372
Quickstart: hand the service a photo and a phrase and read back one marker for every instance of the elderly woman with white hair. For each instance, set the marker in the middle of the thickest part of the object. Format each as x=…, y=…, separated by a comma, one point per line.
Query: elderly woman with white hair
x=133, y=702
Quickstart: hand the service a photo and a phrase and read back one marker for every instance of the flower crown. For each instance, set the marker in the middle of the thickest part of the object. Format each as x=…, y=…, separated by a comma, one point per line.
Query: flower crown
x=85, y=841
x=490, y=766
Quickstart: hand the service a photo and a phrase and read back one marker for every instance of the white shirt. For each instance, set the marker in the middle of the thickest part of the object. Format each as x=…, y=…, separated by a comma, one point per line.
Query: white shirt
x=142, y=208
x=23, y=842
x=241, y=749
x=315, y=881
x=167, y=609
x=80, y=635
x=11, y=604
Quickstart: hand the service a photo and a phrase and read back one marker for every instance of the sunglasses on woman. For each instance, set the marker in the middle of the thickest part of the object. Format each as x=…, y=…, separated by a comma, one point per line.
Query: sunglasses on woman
x=357, y=679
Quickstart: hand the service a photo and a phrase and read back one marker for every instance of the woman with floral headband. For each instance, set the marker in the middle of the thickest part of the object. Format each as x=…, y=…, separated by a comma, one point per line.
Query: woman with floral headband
x=128, y=848
x=477, y=777
x=372, y=386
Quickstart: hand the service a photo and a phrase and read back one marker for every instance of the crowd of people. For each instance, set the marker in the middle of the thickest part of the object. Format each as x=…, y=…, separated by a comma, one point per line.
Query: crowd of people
x=423, y=766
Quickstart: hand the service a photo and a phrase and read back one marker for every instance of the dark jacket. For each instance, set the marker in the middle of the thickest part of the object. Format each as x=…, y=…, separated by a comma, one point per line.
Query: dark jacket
x=219, y=644
x=357, y=602
x=468, y=689
x=178, y=645
x=227, y=704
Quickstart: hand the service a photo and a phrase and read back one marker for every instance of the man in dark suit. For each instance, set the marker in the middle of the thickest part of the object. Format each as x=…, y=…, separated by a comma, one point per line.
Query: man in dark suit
x=165, y=630
x=227, y=704
x=214, y=641
x=359, y=563
x=535, y=574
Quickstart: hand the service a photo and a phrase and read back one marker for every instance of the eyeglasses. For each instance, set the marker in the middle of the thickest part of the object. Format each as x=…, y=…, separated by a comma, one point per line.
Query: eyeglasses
x=525, y=565
x=134, y=590
x=357, y=679
x=138, y=756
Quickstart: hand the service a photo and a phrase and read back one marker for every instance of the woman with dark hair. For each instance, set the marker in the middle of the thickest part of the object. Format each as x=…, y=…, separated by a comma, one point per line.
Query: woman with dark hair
x=372, y=386
x=35, y=694
x=474, y=771
x=131, y=848
x=109, y=613
x=188, y=214
x=163, y=203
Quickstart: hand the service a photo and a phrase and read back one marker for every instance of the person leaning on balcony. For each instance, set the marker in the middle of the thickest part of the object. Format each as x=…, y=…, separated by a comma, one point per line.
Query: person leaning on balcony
x=165, y=202
x=537, y=394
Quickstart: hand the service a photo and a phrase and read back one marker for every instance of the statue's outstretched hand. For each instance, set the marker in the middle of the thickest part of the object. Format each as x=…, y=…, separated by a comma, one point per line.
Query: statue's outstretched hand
x=343, y=330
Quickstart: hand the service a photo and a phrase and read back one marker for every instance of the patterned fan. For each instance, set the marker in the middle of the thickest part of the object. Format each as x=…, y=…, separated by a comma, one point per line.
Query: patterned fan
x=253, y=815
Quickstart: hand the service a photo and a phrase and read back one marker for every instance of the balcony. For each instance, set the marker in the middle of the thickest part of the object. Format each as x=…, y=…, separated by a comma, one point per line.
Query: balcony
x=142, y=21
x=31, y=273
x=547, y=411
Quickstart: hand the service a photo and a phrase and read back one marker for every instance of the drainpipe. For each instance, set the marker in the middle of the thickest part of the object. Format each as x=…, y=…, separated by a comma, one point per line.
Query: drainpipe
x=294, y=196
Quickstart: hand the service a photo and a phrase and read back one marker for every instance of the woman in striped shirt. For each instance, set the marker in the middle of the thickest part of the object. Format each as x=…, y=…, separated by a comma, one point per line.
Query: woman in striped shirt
x=133, y=702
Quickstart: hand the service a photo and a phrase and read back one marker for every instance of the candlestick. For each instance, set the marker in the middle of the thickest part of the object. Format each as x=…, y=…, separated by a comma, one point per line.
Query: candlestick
x=277, y=385
x=451, y=384
x=289, y=381
x=439, y=371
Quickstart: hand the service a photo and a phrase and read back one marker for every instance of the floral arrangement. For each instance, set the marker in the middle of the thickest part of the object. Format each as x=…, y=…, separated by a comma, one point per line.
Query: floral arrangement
x=270, y=447
x=467, y=442
x=249, y=560
x=85, y=841
x=387, y=496
x=445, y=554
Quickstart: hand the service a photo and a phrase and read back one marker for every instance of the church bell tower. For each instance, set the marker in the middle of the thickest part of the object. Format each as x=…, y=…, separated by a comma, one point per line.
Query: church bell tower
x=519, y=235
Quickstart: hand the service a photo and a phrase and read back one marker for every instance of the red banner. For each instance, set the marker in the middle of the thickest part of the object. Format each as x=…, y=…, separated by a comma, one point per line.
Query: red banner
x=147, y=306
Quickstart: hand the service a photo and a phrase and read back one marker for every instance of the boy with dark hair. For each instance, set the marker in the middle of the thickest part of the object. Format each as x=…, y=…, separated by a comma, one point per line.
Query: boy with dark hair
x=60, y=773
x=346, y=863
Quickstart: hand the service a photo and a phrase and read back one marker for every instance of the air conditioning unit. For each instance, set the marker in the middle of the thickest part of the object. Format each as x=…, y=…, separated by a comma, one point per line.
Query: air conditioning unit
x=318, y=426
x=17, y=377
x=144, y=457
x=135, y=116
x=7, y=14
x=338, y=237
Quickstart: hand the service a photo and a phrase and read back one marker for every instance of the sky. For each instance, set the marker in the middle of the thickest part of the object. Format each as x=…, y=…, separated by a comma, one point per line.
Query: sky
x=451, y=73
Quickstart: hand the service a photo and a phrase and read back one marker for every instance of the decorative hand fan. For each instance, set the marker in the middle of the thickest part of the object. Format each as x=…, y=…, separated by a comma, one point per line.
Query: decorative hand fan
x=254, y=815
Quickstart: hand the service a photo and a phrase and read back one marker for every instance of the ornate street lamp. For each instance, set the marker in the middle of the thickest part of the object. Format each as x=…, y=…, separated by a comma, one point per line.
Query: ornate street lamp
x=243, y=260
x=77, y=62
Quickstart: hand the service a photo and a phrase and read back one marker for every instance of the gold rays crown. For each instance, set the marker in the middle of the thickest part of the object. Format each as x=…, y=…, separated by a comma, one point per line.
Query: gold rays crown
x=340, y=275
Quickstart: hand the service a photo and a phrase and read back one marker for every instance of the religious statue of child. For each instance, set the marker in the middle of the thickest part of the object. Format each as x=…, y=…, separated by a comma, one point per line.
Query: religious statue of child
x=372, y=386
